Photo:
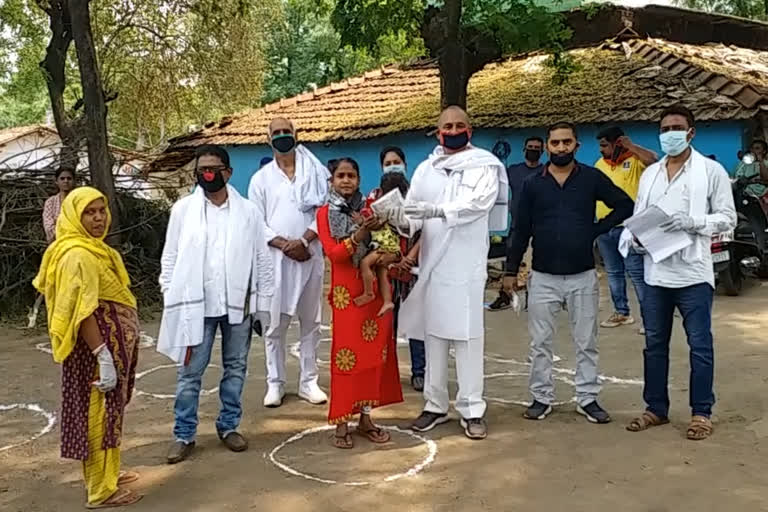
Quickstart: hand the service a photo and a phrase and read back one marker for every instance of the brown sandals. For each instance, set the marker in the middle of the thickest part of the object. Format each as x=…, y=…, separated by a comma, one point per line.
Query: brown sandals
x=646, y=421
x=699, y=428
x=375, y=435
x=121, y=498
x=127, y=477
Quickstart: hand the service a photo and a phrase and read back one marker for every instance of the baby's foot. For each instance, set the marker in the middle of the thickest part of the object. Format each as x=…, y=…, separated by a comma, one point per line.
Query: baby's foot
x=386, y=308
x=364, y=299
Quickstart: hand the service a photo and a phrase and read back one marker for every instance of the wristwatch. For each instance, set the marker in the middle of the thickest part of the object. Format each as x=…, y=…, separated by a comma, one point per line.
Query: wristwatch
x=304, y=241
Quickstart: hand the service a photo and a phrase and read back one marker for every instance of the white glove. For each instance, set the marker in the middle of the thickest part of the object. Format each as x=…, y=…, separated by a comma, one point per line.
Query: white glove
x=397, y=218
x=107, y=373
x=422, y=210
x=679, y=222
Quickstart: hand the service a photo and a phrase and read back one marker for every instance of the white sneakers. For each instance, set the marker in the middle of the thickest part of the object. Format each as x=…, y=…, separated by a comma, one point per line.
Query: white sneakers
x=310, y=392
x=274, y=396
x=313, y=394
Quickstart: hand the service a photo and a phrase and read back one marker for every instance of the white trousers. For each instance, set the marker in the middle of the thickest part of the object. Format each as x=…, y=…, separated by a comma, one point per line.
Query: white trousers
x=308, y=313
x=469, y=371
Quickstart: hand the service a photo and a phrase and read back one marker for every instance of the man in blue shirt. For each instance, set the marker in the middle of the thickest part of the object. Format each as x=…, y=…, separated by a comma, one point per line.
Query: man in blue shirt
x=517, y=174
x=557, y=209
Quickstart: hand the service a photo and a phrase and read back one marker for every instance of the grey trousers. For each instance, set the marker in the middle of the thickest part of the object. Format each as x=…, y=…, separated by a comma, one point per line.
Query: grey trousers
x=547, y=294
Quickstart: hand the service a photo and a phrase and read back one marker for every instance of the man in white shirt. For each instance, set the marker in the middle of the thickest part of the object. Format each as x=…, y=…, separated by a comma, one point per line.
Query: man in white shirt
x=214, y=271
x=451, y=197
x=695, y=192
x=287, y=193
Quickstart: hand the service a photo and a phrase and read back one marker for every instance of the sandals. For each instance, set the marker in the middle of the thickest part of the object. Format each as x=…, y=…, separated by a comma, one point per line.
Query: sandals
x=343, y=442
x=121, y=498
x=127, y=477
x=699, y=428
x=375, y=435
x=646, y=421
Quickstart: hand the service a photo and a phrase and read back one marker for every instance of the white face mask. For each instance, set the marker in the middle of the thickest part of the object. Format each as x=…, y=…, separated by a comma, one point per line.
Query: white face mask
x=674, y=142
x=394, y=168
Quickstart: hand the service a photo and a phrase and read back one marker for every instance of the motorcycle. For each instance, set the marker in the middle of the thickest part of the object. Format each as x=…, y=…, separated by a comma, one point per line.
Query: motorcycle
x=744, y=251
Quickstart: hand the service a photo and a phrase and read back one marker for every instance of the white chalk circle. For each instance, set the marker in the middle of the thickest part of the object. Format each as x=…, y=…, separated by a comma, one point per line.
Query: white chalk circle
x=414, y=470
x=45, y=347
x=509, y=401
x=139, y=375
x=50, y=419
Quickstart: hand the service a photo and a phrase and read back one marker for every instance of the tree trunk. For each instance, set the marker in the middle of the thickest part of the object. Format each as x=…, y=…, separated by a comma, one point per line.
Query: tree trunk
x=453, y=76
x=99, y=158
x=54, y=71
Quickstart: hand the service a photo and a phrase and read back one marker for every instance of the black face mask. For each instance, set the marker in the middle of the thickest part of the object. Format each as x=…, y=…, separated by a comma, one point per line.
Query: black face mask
x=211, y=181
x=561, y=159
x=532, y=155
x=457, y=141
x=284, y=144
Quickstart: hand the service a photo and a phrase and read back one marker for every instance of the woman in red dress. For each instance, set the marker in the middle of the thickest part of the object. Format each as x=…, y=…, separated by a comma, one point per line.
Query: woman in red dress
x=364, y=371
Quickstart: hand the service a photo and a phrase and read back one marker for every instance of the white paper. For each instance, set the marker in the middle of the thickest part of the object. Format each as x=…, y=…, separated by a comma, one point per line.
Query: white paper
x=384, y=206
x=658, y=243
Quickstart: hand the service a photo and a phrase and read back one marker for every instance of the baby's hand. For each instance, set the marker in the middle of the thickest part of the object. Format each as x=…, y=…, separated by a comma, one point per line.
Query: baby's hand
x=357, y=218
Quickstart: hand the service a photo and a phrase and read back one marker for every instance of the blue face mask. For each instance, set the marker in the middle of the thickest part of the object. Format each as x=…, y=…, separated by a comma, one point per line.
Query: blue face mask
x=674, y=142
x=394, y=168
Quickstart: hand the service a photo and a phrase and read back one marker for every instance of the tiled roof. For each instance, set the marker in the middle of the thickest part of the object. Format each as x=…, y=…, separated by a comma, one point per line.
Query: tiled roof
x=631, y=81
x=10, y=134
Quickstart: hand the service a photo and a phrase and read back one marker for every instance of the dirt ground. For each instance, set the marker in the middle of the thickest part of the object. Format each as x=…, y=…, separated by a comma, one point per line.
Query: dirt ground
x=563, y=463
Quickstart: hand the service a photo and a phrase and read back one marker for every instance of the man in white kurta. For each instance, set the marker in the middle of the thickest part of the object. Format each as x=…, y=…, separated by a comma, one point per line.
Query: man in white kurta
x=450, y=200
x=288, y=191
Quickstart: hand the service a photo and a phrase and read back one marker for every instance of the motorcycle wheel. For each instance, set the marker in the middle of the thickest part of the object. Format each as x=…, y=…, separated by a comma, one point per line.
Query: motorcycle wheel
x=732, y=279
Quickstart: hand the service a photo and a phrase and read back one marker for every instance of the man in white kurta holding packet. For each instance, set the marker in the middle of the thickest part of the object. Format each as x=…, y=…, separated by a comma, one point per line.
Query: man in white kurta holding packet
x=215, y=270
x=287, y=192
x=453, y=197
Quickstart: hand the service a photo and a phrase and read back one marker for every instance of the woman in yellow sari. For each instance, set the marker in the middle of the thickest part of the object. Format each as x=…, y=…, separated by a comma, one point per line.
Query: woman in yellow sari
x=94, y=333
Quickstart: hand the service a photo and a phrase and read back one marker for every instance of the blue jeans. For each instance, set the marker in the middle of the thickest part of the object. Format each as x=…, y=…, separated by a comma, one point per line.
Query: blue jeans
x=418, y=357
x=235, y=344
x=616, y=266
x=695, y=305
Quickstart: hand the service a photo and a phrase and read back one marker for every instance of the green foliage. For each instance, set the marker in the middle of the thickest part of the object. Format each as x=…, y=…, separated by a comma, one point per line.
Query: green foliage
x=305, y=50
x=754, y=9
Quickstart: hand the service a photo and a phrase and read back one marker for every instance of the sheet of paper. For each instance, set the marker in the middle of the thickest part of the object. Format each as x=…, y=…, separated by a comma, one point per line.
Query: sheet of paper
x=386, y=204
x=660, y=244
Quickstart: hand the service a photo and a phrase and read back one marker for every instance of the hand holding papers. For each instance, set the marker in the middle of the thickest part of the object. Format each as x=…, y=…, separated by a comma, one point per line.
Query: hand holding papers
x=660, y=244
x=387, y=206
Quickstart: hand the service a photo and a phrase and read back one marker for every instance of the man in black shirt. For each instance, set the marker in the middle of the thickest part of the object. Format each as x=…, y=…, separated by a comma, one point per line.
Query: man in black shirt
x=517, y=174
x=557, y=209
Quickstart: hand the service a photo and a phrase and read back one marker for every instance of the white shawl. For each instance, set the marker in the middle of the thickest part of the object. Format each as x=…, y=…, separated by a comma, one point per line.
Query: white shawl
x=312, y=177
x=474, y=157
x=181, y=278
x=698, y=185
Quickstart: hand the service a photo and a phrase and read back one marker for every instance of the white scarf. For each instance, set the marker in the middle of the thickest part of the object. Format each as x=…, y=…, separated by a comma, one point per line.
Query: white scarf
x=182, y=323
x=698, y=185
x=476, y=157
x=312, y=177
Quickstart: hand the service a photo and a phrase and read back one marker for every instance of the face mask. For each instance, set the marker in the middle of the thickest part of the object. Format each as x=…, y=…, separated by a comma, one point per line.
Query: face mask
x=561, y=159
x=284, y=144
x=532, y=155
x=457, y=141
x=394, y=168
x=211, y=181
x=673, y=143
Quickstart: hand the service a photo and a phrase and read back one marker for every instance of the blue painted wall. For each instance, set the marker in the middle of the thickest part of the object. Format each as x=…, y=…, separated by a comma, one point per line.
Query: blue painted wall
x=723, y=139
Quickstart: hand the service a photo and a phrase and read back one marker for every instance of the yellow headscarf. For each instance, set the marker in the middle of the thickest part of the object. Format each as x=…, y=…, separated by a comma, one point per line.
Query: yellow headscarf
x=77, y=271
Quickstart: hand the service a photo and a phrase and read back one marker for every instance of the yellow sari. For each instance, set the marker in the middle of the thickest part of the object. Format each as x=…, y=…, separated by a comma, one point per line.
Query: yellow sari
x=78, y=275
x=77, y=271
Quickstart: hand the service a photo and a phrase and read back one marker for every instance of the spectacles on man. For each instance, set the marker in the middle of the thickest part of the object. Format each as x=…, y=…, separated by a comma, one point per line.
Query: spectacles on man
x=211, y=168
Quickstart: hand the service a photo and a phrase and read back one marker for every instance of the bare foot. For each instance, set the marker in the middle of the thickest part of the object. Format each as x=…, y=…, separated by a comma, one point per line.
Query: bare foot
x=370, y=431
x=386, y=308
x=364, y=299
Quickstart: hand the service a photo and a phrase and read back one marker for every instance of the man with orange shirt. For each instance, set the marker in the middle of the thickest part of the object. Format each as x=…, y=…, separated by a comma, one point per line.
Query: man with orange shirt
x=623, y=162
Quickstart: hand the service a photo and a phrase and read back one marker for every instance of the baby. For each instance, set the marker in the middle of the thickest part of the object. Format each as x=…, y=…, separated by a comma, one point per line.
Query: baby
x=384, y=252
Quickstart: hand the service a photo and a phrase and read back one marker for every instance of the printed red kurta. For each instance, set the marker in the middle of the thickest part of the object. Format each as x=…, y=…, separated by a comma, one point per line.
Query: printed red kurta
x=364, y=368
